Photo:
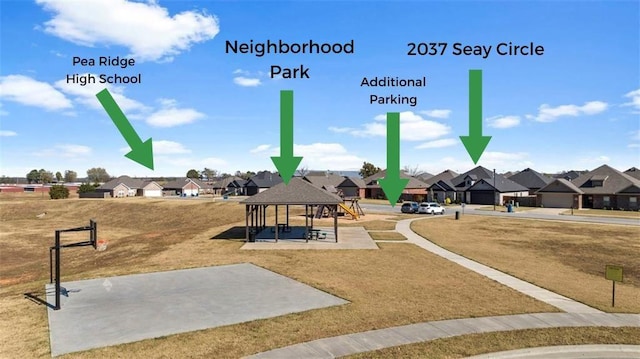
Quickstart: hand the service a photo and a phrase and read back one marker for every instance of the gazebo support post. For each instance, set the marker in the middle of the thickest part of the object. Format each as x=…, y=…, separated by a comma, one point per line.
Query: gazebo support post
x=335, y=223
x=306, y=222
x=246, y=221
x=277, y=224
x=287, y=223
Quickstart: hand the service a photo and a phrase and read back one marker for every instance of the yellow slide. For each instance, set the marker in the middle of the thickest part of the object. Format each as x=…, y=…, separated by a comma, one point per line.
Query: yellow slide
x=348, y=210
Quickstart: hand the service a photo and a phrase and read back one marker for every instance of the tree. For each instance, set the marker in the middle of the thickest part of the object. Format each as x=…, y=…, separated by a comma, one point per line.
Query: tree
x=302, y=171
x=208, y=173
x=368, y=169
x=411, y=171
x=33, y=176
x=58, y=192
x=193, y=174
x=97, y=174
x=58, y=176
x=70, y=176
x=45, y=176
x=87, y=187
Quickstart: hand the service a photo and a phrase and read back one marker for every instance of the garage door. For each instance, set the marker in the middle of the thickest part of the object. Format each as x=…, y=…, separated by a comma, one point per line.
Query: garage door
x=191, y=192
x=481, y=197
x=153, y=193
x=557, y=200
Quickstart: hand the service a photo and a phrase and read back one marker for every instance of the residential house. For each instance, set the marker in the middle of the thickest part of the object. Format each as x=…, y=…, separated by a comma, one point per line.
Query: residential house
x=221, y=186
x=463, y=182
x=261, y=181
x=416, y=190
x=185, y=187
x=237, y=186
x=604, y=188
x=440, y=187
x=352, y=187
x=495, y=190
x=125, y=186
x=531, y=179
x=569, y=175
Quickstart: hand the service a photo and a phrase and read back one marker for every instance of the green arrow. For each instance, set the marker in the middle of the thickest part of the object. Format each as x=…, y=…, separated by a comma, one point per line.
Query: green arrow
x=286, y=163
x=392, y=184
x=475, y=143
x=141, y=152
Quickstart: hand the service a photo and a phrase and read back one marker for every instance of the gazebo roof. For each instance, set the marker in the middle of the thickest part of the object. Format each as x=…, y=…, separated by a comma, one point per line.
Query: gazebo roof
x=297, y=192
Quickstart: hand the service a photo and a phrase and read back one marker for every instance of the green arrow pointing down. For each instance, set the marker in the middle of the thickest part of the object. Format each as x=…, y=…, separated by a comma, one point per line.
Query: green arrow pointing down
x=141, y=152
x=392, y=184
x=286, y=163
x=475, y=143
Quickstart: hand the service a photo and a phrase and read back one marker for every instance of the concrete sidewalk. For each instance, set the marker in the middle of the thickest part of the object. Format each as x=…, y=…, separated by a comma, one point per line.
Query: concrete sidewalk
x=415, y=333
x=561, y=302
x=596, y=351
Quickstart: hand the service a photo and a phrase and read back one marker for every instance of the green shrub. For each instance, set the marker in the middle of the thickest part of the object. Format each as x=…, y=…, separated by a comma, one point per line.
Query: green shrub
x=87, y=187
x=58, y=192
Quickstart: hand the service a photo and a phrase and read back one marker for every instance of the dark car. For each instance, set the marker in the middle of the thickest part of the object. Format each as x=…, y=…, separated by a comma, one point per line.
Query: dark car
x=410, y=207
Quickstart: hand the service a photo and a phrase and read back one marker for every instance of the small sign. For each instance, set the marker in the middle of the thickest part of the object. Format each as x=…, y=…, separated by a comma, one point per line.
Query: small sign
x=613, y=273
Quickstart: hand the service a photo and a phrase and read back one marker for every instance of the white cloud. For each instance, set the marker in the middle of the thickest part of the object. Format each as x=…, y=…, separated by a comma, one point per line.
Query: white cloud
x=412, y=128
x=547, y=113
x=30, y=92
x=594, y=160
x=633, y=145
x=445, y=142
x=247, y=81
x=170, y=115
x=241, y=72
x=145, y=28
x=437, y=113
x=163, y=147
x=635, y=99
x=86, y=95
x=260, y=148
x=503, y=121
x=190, y=162
x=8, y=133
x=65, y=150
x=326, y=155
x=500, y=161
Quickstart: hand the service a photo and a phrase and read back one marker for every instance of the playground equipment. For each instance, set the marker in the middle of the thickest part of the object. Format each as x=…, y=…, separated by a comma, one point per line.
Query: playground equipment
x=57, y=247
x=353, y=209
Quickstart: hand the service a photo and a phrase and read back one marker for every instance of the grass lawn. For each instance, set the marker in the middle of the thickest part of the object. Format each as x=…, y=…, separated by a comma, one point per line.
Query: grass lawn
x=476, y=344
x=396, y=285
x=504, y=209
x=603, y=213
x=387, y=236
x=567, y=258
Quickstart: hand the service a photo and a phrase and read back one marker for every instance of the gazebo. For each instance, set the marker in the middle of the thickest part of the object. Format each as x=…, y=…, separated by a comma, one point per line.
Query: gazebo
x=297, y=193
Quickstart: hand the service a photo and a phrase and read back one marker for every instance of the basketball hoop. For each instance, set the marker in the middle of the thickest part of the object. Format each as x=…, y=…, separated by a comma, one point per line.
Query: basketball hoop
x=101, y=245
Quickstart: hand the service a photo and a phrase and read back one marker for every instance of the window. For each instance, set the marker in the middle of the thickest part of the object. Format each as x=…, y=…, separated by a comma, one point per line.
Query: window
x=633, y=200
x=606, y=201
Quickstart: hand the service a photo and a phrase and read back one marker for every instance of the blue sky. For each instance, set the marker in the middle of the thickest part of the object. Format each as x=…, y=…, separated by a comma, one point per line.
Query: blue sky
x=575, y=107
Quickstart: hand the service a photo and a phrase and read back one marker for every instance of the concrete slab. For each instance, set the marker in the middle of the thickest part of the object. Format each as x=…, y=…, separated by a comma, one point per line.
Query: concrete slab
x=116, y=310
x=348, y=238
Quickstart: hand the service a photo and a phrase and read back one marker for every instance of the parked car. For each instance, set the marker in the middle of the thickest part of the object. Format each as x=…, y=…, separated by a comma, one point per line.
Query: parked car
x=430, y=208
x=409, y=207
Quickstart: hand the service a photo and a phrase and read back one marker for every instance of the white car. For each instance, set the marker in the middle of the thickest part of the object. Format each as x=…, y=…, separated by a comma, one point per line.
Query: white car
x=430, y=208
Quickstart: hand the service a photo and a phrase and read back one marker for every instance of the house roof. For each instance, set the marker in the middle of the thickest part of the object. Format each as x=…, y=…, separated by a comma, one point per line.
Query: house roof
x=181, y=182
x=132, y=183
x=371, y=181
x=502, y=184
x=479, y=173
x=297, y=192
x=446, y=175
x=633, y=172
x=324, y=180
x=570, y=175
x=225, y=182
x=265, y=179
x=424, y=176
x=531, y=179
x=353, y=181
x=613, y=181
x=560, y=185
